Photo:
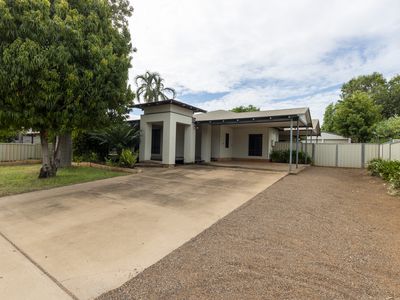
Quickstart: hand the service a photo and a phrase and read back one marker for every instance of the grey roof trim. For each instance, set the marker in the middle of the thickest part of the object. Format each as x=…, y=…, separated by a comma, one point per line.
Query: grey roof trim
x=170, y=101
x=265, y=119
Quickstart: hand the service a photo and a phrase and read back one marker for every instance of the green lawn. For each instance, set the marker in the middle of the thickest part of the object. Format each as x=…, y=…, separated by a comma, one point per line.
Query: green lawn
x=20, y=179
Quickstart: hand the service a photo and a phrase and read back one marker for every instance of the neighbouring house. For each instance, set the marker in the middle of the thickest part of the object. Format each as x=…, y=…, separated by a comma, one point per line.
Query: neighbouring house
x=176, y=132
x=313, y=133
x=330, y=138
x=28, y=137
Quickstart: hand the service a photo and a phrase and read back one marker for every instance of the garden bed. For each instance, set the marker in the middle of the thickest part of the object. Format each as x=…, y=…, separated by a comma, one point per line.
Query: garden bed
x=105, y=167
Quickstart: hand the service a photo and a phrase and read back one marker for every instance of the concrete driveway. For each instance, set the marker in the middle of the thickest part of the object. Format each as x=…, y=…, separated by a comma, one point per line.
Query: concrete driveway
x=77, y=241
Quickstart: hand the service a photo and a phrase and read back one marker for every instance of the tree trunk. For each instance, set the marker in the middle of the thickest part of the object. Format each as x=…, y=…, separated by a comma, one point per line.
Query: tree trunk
x=50, y=162
x=45, y=170
x=65, y=150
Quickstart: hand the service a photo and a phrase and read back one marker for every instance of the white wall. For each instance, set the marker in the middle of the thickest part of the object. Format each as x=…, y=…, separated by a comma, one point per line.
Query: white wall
x=241, y=141
x=169, y=120
x=273, y=138
x=215, y=138
x=226, y=152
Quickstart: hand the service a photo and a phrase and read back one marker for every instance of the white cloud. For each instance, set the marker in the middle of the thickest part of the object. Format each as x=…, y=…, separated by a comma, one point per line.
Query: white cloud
x=295, y=47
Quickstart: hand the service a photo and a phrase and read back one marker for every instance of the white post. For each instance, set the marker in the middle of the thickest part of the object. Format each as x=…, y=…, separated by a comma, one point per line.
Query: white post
x=189, y=146
x=291, y=145
x=169, y=142
x=206, y=143
x=145, y=140
x=297, y=144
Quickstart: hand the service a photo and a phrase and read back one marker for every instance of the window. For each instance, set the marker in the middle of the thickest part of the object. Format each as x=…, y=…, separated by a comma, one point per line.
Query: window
x=226, y=140
x=255, y=144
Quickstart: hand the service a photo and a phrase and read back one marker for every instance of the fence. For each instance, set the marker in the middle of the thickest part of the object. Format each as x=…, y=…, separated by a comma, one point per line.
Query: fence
x=13, y=152
x=345, y=155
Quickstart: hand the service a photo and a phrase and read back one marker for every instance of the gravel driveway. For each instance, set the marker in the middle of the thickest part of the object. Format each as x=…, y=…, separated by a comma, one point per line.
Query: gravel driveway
x=326, y=233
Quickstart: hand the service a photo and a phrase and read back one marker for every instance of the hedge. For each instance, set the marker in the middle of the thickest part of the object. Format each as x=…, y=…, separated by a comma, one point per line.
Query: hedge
x=282, y=156
x=388, y=170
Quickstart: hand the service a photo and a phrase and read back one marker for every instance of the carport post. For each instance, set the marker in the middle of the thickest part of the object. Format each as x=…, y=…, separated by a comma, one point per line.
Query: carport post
x=306, y=153
x=291, y=145
x=297, y=144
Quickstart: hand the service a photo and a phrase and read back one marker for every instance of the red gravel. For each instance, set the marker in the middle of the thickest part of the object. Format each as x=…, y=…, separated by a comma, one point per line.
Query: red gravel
x=325, y=233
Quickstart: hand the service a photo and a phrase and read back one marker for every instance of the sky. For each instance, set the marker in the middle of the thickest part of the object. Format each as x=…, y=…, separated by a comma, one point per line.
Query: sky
x=218, y=54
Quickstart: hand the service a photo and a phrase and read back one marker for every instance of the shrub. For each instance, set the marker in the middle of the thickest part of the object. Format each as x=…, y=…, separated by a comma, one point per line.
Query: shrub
x=388, y=171
x=283, y=156
x=127, y=158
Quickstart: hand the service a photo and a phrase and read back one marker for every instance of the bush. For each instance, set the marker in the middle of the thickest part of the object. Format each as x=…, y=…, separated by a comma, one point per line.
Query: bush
x=127, y=158
x=388, y=171
x=283, y=156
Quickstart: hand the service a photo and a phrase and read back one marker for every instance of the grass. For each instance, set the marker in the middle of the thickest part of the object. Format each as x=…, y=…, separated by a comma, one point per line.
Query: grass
x=21, y=179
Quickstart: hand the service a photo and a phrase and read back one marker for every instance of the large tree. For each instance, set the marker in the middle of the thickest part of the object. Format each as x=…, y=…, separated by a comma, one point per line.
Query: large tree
x=356, y=115
x=248, y=108
x=329, y=125
x=151, y=88
x=63, y=65
x=383, y=92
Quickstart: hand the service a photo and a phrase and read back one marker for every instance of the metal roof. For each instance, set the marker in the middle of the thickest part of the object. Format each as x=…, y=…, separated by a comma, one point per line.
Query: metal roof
x=169, y=101
x=229, y=117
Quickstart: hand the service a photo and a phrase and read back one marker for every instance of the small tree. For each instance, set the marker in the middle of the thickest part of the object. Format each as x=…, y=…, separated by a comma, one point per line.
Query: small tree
x=356, y=115
x=117, y=137
x=248, y=108
x=392, y=105
x=151, y=88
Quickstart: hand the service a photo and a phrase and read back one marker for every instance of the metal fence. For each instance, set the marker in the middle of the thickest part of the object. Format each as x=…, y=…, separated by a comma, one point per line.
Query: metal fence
x=346, y=155
x=15, y=152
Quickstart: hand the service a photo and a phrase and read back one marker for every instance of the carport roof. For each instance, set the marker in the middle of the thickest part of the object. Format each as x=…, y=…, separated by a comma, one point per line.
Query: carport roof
x=266, y=116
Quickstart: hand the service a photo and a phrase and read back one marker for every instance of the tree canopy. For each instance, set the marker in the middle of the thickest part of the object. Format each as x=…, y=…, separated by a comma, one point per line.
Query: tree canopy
x=63, y=65
x=247, y=108
x=388, y=129
x=329, y=125
x=151, y=88
x=383, y=92
x=356, y=115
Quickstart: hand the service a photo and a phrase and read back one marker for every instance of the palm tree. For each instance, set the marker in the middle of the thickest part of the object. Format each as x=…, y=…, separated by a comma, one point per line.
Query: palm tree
x=118, y=137
x=151, y=88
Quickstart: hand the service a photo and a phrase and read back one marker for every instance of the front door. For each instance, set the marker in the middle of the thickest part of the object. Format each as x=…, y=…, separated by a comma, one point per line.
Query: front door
x=255, y=144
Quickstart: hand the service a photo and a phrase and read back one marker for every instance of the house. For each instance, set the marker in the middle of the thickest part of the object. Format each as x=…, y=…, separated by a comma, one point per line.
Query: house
x=312, y=132
x=330, y=138
x=176, y=132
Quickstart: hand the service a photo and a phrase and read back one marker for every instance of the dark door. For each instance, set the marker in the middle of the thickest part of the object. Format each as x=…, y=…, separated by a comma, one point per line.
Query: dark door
x=255, y=144
x=156, y=141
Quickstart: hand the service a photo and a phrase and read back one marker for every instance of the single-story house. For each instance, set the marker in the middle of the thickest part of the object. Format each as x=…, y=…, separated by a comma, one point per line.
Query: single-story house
x=176, y=132
x=330, y=138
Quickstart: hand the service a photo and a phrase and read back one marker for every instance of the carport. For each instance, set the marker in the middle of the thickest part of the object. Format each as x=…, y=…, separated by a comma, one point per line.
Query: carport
x=296, y=122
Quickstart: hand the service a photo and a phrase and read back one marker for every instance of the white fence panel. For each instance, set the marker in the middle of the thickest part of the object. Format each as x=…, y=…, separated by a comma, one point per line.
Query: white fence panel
x=281, y=146
x=371, y=152
x=14, y=152
x=325, y=155
x=385, y=151
x=346, y=155
x=349, y=155
x=395, y=151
